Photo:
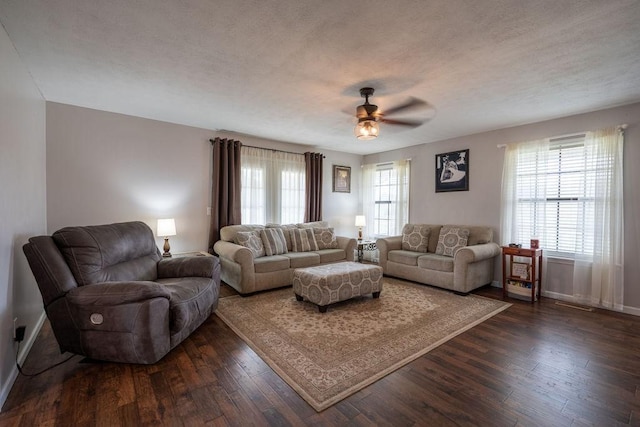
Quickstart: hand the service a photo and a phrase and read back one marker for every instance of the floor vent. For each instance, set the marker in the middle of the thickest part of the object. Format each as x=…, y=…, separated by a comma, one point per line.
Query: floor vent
x=577, y=307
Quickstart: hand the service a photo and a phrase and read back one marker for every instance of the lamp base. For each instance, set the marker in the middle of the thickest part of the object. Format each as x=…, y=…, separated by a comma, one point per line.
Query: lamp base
x=360, y=233
x=166, y=248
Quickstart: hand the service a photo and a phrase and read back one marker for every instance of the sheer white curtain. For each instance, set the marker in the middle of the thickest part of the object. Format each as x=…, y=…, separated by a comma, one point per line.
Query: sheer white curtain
x=273, y=186
x=385, y=197
x=568, y=192
x=524, y=164
x=598, y=276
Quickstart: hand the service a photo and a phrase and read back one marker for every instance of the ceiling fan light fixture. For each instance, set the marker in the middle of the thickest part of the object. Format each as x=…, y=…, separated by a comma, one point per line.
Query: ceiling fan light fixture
x=366, y=129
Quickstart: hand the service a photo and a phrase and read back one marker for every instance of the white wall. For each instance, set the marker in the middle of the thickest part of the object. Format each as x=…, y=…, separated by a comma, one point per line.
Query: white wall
x=104, y=167
x=481, y=204
x=22, y=208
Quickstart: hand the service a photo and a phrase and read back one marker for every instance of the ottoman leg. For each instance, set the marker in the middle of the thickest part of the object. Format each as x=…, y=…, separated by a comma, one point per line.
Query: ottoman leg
x=376, y=294
x=299, y=298
x=322, y=308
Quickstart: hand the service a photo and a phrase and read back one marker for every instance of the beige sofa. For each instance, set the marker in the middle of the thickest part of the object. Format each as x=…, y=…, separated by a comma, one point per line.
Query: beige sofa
x=247, y=274
x=470, y=267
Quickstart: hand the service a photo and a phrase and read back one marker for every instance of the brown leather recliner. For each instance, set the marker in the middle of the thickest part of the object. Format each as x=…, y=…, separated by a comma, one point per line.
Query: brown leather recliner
x=110, y=295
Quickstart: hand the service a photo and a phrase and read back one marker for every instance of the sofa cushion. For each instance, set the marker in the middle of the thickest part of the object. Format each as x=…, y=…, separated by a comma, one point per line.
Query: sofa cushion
x=303, y=259
x=273, y=241
x=303, y=240
x=111, y=252
x=325, y=238
x=314, y=224
x=252, y=241
x=415, y=237
x=285, y=230
x=404, y=257
x=436, y=262
x=267, y=264
x=228, y=232
x=479, y=235
x=451, y=239
x=331, y=255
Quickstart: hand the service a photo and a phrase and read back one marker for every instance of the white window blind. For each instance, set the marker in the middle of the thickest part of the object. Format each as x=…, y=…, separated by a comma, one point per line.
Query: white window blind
x=555, y=197
x=386, y=197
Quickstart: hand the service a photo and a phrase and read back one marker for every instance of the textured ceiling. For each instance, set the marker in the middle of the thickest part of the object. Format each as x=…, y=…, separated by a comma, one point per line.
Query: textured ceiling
x=287, y=69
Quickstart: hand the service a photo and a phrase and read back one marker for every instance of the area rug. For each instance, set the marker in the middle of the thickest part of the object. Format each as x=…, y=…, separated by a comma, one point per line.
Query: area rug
x=326, y=357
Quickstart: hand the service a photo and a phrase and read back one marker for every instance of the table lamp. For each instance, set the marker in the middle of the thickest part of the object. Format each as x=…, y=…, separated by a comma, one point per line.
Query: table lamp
x=166, y=228
x=360, y=222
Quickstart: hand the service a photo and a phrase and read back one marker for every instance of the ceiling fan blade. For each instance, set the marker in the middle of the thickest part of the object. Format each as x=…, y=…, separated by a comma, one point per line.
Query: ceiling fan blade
x=409, y=123
x=411, y=104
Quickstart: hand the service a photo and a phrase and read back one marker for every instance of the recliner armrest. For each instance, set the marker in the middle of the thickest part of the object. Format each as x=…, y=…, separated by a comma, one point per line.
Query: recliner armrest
x=116, y=293
x=197, y=266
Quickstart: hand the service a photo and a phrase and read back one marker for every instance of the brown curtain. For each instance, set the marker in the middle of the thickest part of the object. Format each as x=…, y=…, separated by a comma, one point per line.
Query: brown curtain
x=313, y=208
x=225, y=187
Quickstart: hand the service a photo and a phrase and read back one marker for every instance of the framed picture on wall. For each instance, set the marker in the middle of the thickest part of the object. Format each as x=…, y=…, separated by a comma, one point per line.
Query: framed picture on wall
x=452, y=171
x=341, y=179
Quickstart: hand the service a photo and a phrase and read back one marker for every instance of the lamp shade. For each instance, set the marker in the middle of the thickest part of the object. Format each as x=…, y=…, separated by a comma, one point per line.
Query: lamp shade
x=366, y=129
x=361, y=221
x=166, y=227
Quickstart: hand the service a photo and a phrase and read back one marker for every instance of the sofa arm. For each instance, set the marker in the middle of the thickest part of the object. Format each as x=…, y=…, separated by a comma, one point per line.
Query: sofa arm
x=348, y=244
x=476, y=253
x=116, y=321
x=385, y=245
x=197, y=266
x=233, y=252
x=473, y=266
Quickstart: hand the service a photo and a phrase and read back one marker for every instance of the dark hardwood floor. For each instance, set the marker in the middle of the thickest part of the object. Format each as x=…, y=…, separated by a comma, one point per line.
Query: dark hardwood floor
x=531, y=365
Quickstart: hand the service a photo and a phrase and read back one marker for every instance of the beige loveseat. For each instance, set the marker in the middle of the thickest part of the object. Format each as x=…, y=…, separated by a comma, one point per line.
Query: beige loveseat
x=247, y=272
x=460, y=270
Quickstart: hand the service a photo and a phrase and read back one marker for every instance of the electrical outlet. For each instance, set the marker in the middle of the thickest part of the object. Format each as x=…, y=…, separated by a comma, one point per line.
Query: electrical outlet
x=208, y=210
x=19, y=333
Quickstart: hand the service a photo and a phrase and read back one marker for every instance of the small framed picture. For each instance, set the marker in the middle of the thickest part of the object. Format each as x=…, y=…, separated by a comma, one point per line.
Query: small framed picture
x=341, y=179
x=520, y=269
x=452, y=171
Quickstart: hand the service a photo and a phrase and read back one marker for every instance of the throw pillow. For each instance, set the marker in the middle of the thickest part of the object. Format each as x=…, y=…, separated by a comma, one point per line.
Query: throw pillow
x=252, y=241
x=451, y=239
x=273, y=241
x=303, y=240
x=285, y=230
x=325, y=238
x=415, y=237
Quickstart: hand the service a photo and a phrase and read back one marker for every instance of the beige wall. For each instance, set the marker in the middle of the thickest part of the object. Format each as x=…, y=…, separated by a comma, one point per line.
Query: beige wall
x=22, y=208
x=481, y=204
x=104, y=167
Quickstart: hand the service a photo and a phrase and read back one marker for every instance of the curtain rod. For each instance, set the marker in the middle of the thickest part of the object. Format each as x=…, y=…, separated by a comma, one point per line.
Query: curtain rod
x=620, y=128
x=271, y=149
x=280, y=151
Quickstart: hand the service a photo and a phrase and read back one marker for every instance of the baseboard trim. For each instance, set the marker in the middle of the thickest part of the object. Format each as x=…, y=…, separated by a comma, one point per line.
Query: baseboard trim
x=22, y=356
x=635, y=311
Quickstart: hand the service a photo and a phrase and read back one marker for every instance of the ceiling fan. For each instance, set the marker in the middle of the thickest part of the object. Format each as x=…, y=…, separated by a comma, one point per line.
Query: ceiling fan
x=369, y=115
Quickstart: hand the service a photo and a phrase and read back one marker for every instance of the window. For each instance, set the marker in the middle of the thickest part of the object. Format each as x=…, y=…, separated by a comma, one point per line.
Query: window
x=553, y=216
x=569, y=193
x=273, y=186
x=385, y=193
x=555, y=193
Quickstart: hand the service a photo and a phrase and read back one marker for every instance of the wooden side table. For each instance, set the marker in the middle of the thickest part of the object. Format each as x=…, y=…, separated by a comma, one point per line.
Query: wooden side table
x=522, y=278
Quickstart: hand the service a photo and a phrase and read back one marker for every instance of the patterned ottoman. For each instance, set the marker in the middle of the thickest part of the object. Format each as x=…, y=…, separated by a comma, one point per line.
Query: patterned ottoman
x=326, y=284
